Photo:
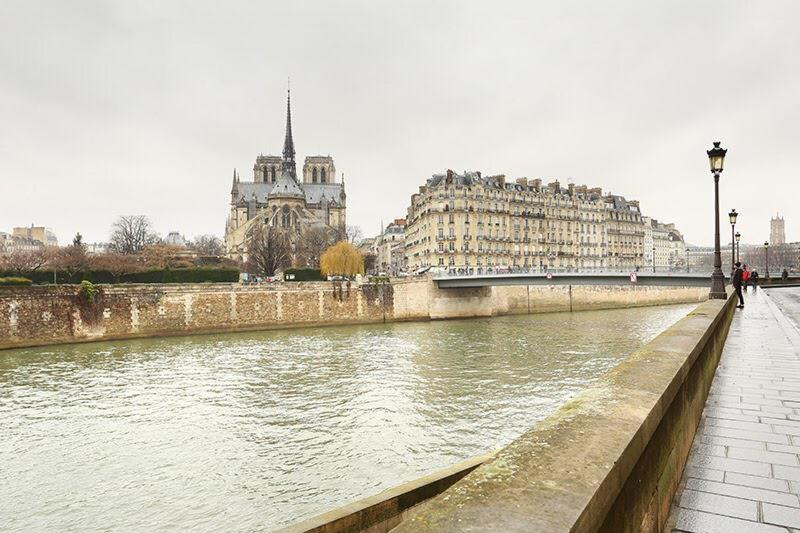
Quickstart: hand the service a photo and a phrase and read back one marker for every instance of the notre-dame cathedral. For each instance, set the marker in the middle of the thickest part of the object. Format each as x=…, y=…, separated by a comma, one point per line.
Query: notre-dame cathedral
x=277, y=198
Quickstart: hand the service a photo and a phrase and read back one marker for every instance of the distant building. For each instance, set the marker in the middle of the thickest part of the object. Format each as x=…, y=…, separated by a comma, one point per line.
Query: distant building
x=27, y=239
x=469, y=221
x=389, y=248
x=276, y=197
x=664, y=246
x=174, y=238
x=36, y=233
x=777, y=230
x=96, y=248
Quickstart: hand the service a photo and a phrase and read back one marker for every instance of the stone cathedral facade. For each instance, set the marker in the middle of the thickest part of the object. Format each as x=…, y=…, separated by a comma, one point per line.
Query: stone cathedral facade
x=278, y=197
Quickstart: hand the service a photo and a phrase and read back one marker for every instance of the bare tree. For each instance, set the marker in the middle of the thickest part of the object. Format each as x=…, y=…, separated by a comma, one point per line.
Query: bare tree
x=269, y=249
x=312, y=242
x=24, y=261
x=131, y=233
x=351, y=234
x=207, y=245
x=117, y=264
x=72, y=259
x=162, y=255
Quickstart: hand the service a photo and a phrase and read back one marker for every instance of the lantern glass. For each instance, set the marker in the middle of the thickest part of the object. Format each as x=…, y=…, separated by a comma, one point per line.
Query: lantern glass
x=716, y=157
x=738, y=236
x=732, y=216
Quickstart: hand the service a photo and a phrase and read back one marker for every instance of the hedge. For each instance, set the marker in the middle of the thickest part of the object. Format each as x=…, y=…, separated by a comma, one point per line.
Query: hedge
x=14, y=281
x=302, y=274
x=177, y=275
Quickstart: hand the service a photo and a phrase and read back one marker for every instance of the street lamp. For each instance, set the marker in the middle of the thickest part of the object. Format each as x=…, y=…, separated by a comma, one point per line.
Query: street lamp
x=738, y=237
x=716, y=157
x=687, y=260
x=766, y=258
x=732, y=217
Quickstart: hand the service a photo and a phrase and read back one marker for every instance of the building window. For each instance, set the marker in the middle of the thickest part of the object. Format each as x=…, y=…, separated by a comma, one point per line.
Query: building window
x=313, y=175
x=286, y=218
x=322, y=178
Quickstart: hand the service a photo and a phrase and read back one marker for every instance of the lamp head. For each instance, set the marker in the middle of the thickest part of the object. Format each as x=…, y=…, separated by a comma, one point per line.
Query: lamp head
x=716, y=157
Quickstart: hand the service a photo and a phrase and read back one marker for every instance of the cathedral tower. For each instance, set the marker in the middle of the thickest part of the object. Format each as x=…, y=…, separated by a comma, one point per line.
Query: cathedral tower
x=777, y=230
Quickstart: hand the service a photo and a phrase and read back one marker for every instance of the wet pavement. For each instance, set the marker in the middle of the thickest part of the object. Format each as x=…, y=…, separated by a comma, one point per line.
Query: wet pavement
x=743, y=473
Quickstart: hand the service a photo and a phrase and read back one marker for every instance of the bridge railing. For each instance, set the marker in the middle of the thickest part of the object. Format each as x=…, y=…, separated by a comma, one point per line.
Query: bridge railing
x=478, y=272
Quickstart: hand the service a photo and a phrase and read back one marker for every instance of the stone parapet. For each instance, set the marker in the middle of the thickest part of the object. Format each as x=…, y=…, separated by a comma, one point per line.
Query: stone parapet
x=608, y=460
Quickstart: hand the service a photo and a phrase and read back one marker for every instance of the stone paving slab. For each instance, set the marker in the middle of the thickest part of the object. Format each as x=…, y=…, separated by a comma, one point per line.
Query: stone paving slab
x=743, y=472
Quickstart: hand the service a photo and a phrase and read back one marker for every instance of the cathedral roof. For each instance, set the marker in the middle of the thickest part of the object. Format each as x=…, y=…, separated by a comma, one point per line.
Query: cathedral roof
x=286, y=187
x=313, y=191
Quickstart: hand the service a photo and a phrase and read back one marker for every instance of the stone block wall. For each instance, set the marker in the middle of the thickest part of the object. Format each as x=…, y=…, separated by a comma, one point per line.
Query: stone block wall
x=31, y=316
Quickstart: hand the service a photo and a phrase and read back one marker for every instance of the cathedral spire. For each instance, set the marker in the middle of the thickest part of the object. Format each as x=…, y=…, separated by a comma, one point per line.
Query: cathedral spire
x=288, y=142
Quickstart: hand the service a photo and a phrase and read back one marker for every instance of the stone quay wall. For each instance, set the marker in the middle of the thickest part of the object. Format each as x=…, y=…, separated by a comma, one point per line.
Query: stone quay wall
x=42, y=315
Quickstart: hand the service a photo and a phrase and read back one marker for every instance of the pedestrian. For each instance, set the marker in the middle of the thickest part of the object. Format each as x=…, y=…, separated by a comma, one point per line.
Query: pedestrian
x=785, y=275
x=745, y=277
x=737, y=284
x=754, y=280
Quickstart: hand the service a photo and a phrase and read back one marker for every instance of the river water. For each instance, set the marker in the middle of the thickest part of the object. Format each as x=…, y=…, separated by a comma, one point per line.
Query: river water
x=248, y=432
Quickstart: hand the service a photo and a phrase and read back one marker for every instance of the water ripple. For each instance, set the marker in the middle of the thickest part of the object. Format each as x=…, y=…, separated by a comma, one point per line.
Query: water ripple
x=247, y=432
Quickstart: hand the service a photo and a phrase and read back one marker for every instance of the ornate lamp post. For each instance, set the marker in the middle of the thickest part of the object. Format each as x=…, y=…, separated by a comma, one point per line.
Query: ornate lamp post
x=687, y=260
x=716, y=157
x=766, y=258
x=738, y=237
x=732, y=217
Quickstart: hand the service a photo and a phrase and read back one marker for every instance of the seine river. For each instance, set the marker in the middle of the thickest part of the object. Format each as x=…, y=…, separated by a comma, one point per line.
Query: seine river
x=248, y=432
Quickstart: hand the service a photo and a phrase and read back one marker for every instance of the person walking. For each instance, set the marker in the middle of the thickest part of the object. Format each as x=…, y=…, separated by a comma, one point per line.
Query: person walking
x=785, y=275
x=745, y=277
x=754, y=280
x=737, y=284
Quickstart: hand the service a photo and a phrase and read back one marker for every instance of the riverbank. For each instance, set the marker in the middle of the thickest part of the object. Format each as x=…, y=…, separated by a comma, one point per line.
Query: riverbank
x=37, y=316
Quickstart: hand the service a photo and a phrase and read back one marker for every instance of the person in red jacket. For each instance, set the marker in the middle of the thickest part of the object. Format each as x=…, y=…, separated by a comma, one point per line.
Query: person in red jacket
x=745, y=277
x=738, y=280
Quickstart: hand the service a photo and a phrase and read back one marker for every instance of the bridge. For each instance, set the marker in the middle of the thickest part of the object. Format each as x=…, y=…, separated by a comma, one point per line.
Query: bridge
x=674, y=279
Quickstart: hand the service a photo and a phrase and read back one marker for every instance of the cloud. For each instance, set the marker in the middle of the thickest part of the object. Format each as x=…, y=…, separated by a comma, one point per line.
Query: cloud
x=113, y=108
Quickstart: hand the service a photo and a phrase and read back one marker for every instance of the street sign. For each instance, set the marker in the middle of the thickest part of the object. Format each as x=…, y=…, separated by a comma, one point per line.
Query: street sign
x=549, y=275
x=634, y=277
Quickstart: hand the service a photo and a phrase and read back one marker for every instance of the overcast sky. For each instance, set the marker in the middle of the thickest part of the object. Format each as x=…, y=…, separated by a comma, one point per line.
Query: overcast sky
x=111, y=108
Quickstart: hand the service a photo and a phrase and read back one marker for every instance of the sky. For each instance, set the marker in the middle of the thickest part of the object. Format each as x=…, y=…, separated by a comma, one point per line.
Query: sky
x=145, y=107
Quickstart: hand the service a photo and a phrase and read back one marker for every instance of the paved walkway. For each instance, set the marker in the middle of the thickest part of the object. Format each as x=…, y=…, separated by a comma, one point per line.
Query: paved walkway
x=743, y=473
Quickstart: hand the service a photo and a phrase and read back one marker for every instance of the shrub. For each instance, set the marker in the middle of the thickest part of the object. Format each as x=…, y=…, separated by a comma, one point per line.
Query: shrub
x=178, y=275
x=302, y=274
x=14, y=282
x=89, y=291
